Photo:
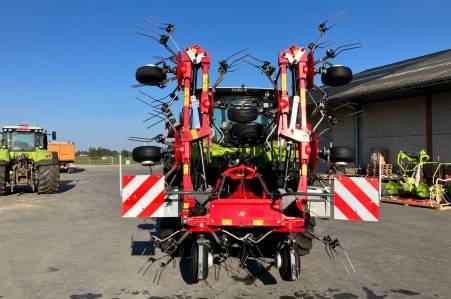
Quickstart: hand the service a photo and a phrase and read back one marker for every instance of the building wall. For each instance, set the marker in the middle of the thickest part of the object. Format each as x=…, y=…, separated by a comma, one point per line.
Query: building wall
x=400, y=124
x=441, y=126
x=395, y=125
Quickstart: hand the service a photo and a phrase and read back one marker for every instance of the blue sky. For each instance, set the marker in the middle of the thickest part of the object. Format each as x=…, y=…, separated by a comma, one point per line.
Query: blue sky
x=69, y=65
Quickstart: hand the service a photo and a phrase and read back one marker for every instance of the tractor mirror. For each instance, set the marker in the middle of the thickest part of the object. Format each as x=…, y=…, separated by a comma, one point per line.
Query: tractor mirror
x=336, y=75
x=53, y=135
x=150, y=74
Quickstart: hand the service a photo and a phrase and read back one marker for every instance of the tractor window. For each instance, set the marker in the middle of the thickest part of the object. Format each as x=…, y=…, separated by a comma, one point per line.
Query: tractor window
x=22, y=141
x=5, y=139
x=40, y=140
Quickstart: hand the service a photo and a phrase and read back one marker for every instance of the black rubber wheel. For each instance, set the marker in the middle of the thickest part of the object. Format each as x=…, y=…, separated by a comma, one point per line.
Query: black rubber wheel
x=242, y=115
x=2, y=180
x=286, y=272
x=342, y=154
x=150, y=75
x=194, y=263
x=166, y=227
x=49, y=179
x=247, y=134
x=336, y=75
x=146, y=153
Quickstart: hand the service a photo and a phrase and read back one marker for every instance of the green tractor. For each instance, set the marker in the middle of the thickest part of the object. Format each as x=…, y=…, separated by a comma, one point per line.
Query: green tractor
x=25, y=160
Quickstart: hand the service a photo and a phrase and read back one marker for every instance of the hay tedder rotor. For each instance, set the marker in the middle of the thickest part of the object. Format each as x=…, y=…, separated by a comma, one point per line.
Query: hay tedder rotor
x=239, y=163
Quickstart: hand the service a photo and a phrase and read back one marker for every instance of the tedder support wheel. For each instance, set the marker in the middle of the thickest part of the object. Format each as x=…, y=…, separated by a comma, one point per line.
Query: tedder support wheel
x=2, y=180
x=49, y=179
x=199, y=260
x=290, y=263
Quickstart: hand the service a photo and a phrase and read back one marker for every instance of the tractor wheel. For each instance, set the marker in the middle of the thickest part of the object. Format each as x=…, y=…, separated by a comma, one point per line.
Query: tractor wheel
x=147, y=153
x=2, y=180
x=342, y=154
x=304, y=240
x=166, y=227
x=290, y=263
x=242, y=115
x=336, y=75
x=150, y=75
x=49, y=179
x=199, y=261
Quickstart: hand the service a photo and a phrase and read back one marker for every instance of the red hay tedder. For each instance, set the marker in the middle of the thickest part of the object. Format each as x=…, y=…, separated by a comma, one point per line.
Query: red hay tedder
x=239, y=164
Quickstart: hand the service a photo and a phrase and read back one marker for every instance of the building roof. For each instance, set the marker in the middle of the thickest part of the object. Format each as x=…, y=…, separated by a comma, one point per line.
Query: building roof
x=423, y=71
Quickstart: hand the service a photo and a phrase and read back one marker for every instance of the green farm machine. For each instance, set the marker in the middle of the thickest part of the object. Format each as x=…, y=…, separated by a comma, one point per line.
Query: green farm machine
x=25, y=160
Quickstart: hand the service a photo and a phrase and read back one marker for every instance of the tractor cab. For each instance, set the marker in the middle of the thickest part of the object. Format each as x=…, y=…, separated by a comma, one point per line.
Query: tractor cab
x=243, y=117
x=23, y=138
x=25, y=160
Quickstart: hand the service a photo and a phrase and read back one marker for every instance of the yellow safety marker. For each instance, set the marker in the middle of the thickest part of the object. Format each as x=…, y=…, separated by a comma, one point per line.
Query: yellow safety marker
x=185, y=205
x=304, y=169
x=257, y=222
x=226, y=222
x=185, y=169
x=186, y=97
x=205, y=82
x=194, y=134
x=284, y=82
x=303, y=98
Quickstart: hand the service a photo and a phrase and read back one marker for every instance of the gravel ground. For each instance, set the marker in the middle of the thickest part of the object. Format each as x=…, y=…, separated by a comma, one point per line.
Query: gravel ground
x=75, y=245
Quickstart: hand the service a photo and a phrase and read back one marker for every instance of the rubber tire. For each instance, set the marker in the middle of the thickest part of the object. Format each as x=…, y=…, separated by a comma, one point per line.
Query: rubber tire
x=147, y=153
x=2, y=180
x=337, y=75
x=305, y=240
x=342, y=154
x=242, y=115
x=247, y=134
x=150, y=75
x=49, y=179
x=194, y=262
x=285, y=270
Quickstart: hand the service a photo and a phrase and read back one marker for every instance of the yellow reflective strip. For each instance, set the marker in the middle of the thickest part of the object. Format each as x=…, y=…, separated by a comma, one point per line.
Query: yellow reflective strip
x=185, y=169
x=205, y=82
x=194, y=134
x=257, y=222
x=284, y=82
x=226, y=222
x=303, y=98
x=185, y=205
x=304, y=170
x=186, y=97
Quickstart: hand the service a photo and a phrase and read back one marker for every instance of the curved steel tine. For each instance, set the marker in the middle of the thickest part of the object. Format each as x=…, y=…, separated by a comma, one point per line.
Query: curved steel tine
x=334, y=16
x=234, y=54
x=149, y=36
x=151, y=30
x=258, y=59
x=153, y=98
x=238, y=59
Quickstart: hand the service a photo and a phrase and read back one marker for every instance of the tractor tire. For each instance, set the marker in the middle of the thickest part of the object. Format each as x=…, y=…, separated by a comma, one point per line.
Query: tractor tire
x=203, y=273
x=150, y=75
x=337, y=75
x=247, y=134
x=147, y=153
x=342, y=154
x=2, y=180
x=242, y=115
x=287, y=271
x=304, y=240
x=49, y=179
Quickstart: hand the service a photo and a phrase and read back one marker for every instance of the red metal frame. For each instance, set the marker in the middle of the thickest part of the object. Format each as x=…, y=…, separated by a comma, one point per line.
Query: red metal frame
x=244, y=208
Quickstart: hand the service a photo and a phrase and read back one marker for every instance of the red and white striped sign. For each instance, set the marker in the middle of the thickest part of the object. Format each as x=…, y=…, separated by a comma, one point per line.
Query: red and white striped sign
x=142, y=195
x=356, y=198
